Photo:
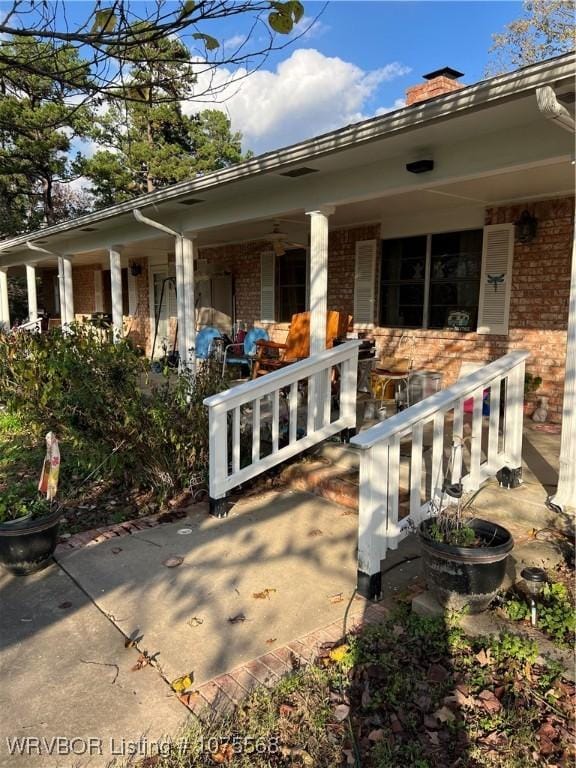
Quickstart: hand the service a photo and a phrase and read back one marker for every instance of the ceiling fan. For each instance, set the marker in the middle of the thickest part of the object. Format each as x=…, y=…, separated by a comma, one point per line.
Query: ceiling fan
x=281, y=241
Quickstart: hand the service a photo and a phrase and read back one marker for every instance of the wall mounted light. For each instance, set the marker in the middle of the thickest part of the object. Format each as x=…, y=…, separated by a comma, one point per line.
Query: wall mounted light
x=526, y=227
x=135, y=269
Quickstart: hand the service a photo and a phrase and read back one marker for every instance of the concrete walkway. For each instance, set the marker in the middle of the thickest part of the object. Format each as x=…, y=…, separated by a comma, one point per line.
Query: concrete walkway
x=279, y=567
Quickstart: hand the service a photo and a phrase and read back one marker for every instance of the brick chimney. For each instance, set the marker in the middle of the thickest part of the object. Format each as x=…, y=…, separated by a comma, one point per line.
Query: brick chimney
x=437, y=83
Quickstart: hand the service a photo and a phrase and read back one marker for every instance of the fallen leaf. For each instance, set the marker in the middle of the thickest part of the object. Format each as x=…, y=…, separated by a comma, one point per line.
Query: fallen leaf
x=116, y=550
x=484, y=657
x=238, y=619
x=437, y=673
x=65, y=604
x=376, y=735
x=194, y=621
x=142, y=661
x=445, y=715
x=433, y=736
x=285, y=710
x=430, y=722
x=460, y=699
x=395, y=724
x=489, y=702
x=271, y=640
x=341, y=712
x=337, y=598
x=173, y=562
x=315, y=532
x=189, y=698
x=398, y=630
x=224, y=755
x=182, y=684
x=264, y=595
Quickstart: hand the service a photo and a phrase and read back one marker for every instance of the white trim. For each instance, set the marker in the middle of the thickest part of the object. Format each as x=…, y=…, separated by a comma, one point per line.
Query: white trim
x=497, y=253
x=4, y=305
x=31, y=292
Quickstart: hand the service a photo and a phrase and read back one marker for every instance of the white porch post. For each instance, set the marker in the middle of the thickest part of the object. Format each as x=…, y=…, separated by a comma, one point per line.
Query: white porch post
x=68, y=289
x=180, y=299
x=116, y=291
x=566, y=492
x=318, y=277
x=32, y=298
x=4, y=307
x=189, y=251
x=62, y=292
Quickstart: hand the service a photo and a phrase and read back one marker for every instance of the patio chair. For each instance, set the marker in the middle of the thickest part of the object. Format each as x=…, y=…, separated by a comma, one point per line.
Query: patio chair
x=205, y=342
x=244, y=352
x=272, y=355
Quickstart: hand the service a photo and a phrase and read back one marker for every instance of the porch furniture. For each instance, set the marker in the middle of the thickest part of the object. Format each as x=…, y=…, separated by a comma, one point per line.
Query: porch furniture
x=244, y=352
x=272, y=355
x=205, y=342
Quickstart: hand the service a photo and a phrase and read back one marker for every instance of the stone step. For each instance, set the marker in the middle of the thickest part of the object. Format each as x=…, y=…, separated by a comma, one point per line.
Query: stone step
x=330, y=481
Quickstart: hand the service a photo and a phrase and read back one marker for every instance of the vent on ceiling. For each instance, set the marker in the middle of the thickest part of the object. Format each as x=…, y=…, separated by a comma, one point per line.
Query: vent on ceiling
x=295, y=172
x=191, y=201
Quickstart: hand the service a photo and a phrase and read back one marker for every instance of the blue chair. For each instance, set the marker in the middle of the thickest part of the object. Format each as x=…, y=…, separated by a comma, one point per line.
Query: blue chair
x=243, y=353
x=205, y=342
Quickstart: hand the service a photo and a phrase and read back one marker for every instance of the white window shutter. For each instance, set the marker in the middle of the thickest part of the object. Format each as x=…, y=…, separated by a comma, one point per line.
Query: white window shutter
x=267, y=286
x=98, y=298
x=496, y=279
x=365, y=282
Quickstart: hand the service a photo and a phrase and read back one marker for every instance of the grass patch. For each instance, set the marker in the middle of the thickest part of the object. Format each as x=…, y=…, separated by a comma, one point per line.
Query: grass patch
x=409, y=692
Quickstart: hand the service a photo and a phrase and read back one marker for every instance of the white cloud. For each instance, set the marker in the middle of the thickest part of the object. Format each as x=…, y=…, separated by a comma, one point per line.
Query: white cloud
x=234, y=42
x=309, y=29
x=308, y=93
x=398, y=104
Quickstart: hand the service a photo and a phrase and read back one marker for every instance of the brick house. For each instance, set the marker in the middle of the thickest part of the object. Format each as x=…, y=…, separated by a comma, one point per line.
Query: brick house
x=458, y=205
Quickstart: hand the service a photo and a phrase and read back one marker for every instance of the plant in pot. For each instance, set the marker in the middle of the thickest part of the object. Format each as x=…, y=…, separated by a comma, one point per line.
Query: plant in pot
x=29, y=519
x=464, y=557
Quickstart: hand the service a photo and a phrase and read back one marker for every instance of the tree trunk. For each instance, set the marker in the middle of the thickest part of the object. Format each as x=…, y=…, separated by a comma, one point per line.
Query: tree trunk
x=149, y=179
x=47, y=200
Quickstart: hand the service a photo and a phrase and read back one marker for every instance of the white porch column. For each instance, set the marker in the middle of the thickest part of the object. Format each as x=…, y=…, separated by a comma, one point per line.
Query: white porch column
x=32, y=298
x=61, y=291
x=180, y=299
x=566, y=492
x=318, y=276
x=116, y=291
x=189, y=252
x=4, y=307
x=68, y=289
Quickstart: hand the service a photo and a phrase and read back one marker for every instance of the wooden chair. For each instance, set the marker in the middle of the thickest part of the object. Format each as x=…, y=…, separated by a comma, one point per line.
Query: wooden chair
x=272, y=355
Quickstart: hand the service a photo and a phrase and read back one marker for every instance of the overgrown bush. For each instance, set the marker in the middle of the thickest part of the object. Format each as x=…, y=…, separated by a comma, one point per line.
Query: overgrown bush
x=89, y=391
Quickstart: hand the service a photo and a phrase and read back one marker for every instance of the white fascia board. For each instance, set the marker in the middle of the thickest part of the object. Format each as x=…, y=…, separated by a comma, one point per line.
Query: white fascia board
x=473, y=97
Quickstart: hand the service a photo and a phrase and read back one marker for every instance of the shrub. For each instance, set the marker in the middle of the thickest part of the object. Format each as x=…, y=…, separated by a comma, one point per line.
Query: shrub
x=87, y=389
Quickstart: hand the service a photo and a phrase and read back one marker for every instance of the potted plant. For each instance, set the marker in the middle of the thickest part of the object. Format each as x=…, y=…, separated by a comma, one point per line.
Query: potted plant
x=29, y=518
x=28, y=531
x=531, y=386
x=464, y=557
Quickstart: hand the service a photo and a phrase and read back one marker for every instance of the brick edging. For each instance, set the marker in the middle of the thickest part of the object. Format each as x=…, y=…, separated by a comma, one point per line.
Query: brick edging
x=126, y=528
x=222, y=694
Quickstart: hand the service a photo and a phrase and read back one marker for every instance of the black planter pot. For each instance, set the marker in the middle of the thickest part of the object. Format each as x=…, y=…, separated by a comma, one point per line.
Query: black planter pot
x=466, y=577
x=27, y=544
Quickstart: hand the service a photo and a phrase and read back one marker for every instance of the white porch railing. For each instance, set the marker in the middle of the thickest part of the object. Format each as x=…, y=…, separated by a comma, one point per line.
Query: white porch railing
x=32, y=326
x=487, y=443
x=261, y=423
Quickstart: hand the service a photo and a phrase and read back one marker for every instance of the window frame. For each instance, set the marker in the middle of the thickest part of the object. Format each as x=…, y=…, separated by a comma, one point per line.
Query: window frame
x=427, y=281
x=278, y=287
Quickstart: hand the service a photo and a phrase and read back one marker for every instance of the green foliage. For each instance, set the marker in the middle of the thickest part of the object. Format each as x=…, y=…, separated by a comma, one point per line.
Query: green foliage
x=38, y=121
x=87, y=389
x=13, y=505
x=511, y=648
x=556, y=615
x=148, y=142
x=531, y=384
x=455, y=536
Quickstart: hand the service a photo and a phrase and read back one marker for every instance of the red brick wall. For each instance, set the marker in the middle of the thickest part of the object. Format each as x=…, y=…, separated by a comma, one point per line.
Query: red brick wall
x=138, y=326
x=84, y=293
x=538, y=307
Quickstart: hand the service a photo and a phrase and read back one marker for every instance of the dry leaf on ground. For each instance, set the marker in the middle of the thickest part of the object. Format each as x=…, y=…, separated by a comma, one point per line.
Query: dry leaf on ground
x=265, y=594
x=172, y=562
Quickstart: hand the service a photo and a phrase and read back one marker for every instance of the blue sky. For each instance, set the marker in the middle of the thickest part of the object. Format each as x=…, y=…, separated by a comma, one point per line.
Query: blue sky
x=357, y=61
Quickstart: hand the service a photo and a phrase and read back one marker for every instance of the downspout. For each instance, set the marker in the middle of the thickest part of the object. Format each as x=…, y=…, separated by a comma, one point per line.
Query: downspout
x=565, y=495
x=551, y=108
x=65, y=291
x=186, y=341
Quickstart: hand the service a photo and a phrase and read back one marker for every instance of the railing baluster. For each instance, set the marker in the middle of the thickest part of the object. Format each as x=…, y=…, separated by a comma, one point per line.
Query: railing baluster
x=494, y=424
x=476, y=441
x=311, y=405
x=437, y=471
x=236, y=440
x=293, y=405
x=327, y=408
x=416, y=471
x=372, y=518
x=514, y=415
x=393, y=492
x=256, y=430
x=275, y=419
x=457, y=445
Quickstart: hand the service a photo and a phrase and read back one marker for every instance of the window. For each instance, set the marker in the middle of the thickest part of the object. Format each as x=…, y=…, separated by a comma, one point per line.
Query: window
x=429, y=278
x=291, y=270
